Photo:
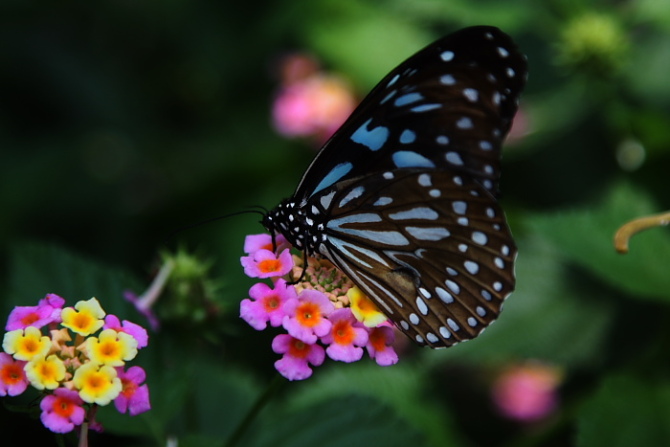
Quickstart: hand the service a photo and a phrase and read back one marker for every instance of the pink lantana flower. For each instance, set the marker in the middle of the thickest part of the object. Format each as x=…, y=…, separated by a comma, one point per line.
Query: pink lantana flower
x=13, y=380
x=134, y=330
x=345, y=337
x=62, y=410
x=255, y=242
x=134, y=396
x=305, y=317
x=265, y=264
x=267, y=304
x=298, y=355
x=380, y=346
x=47, y=311
x=54, y=301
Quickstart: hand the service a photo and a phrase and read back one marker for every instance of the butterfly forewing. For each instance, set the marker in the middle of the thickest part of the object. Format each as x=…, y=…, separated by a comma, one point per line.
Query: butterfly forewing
x=448, y=107
x=430, y=247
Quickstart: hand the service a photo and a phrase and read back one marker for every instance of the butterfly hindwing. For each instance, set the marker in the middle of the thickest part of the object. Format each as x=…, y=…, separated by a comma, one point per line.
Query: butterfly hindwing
x=437, y=262
x=448, y=107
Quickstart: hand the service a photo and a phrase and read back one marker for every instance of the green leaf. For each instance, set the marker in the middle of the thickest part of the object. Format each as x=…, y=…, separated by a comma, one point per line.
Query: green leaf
x=356, y=39
x=551, y=316
x=346, y=419
x=36, y=269
x=400, y=387
x=584, y=236
x=626, y=411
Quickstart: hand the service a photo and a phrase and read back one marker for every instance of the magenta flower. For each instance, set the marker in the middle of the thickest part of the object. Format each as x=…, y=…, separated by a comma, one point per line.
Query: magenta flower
x=265, y=264
x=294, y=365
x=62, y=410
x=267, y=304
x=305, y=317
x=527, y=392
x=380, y=345
x=56, y=303
x=134, y=396
x=255, y=242
x=140, y=303
x=13, y=380
x=314, y=106
x=345, y=337
x=47, y=311
x=145, y=302
x=134, y=330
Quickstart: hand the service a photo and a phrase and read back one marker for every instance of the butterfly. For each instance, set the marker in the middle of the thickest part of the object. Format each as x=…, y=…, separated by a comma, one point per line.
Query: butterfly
x=403, y=197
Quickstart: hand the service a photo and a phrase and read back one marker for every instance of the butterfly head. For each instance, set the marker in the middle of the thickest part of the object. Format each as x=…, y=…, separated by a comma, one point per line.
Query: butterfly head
x=301, y=227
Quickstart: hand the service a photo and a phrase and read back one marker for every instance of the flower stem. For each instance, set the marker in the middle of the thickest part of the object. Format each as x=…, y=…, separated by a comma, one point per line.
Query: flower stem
x=149, y=297
x=83, y=432
x=255, y=410
x=627, y=230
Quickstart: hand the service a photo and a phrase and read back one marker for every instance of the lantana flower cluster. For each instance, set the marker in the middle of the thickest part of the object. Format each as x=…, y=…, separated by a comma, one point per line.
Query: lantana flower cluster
x=76, y=356
x=323, y=313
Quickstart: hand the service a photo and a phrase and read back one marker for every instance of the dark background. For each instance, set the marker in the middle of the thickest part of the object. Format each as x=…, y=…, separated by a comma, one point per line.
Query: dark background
x=124, y=122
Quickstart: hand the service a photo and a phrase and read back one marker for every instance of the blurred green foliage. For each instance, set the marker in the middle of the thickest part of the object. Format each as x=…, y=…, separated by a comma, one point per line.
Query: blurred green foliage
x=123, y=122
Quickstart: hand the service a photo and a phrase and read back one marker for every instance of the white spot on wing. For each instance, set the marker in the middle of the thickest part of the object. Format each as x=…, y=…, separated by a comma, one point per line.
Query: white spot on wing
x=471, y=267
x=383, y=201
x=425, y=180
x=471, y=94
x=453, y=286
x=420, y=212
x=407, y=136
x=479, y=237
x=452, y=324
x=410, y=159
x=454, y=158
x=447, y=79
x=428, y=233
x=444, y=295
x=447, y=56
x=353, y=194
x=459, y=206
x=444, y=332
x=408, y=98
x=421, y=305
x=464, y=123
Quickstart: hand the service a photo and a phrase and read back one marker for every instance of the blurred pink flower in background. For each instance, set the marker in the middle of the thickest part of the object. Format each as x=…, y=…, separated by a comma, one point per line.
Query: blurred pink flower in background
x=310, y=103
x=521, y=127
x=527, y=392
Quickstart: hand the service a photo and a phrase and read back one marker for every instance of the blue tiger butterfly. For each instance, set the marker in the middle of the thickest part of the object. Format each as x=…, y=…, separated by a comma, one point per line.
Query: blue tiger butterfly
x=403, y=197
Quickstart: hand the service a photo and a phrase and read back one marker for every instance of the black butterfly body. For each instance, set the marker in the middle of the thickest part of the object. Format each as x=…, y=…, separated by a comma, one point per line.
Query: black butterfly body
x=403, y=198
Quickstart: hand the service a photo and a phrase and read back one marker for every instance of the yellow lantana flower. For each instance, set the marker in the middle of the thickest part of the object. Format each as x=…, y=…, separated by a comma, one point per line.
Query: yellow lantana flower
x=97, y=383
x=45, y=373
x=111, y=348
x=364, y=309
x=26, y=344
x=85, y=318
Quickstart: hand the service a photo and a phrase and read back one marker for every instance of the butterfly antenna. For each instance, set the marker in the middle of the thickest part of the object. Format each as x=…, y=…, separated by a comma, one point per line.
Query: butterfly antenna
x=262, y=211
